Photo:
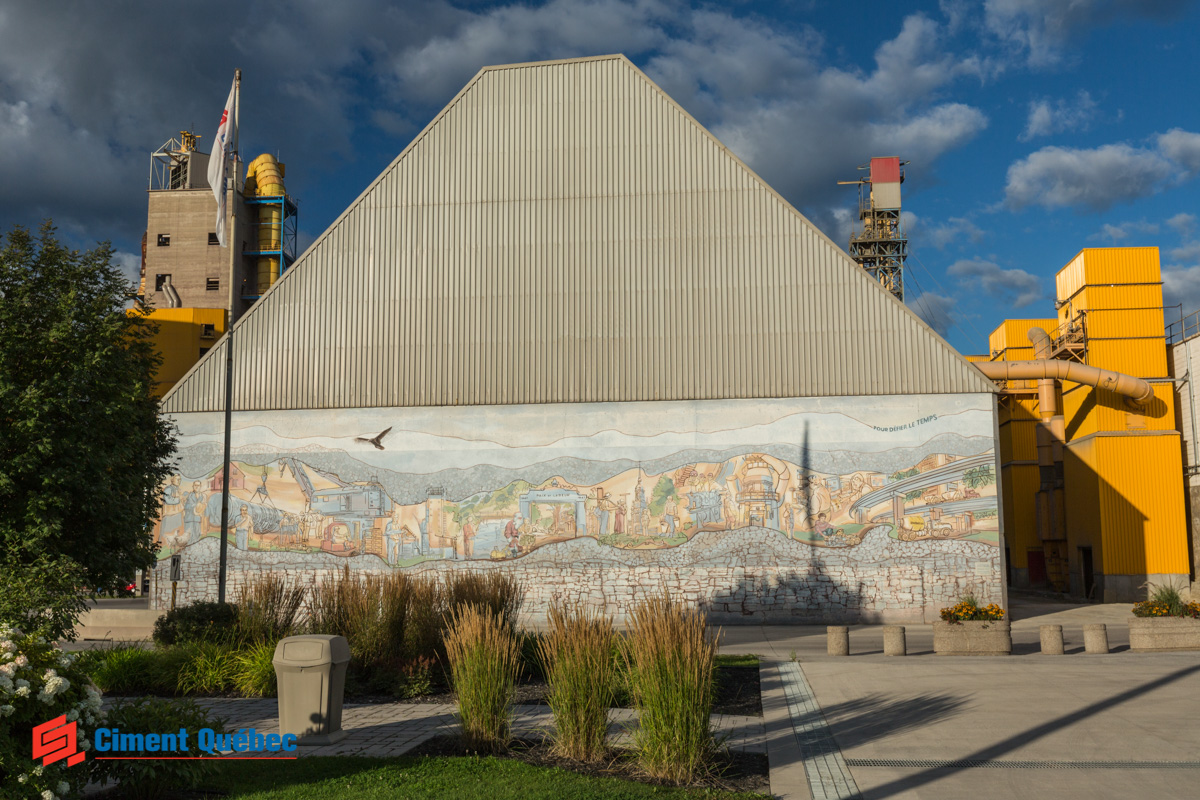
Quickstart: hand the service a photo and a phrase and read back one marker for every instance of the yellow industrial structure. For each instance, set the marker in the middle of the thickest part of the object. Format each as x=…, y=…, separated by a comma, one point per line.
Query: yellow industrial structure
x=1099, y=508
x=192, y=284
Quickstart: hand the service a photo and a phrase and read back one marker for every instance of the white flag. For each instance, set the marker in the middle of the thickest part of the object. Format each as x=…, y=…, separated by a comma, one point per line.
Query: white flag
x=216, y=161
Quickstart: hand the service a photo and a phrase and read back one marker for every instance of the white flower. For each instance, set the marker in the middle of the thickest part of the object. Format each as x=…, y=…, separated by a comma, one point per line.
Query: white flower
x=6, y=711
x=9, y=669
x=22, y=691
x=84, y=744
x=8, y=646
x=63, y=787
x=49, y=795
x=72, y=715
x=22, y=778
x=22, y=683
x=21, y=661
x=48, y=674
x=46, y=697
x=6, y=684
x=38, y=770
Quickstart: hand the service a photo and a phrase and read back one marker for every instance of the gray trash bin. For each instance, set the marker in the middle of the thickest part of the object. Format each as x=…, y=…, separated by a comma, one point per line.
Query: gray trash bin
x=312, y=679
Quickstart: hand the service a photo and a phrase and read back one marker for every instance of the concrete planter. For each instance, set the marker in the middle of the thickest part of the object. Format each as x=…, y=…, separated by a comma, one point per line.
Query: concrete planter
x=1151, y=634
x=976, y=638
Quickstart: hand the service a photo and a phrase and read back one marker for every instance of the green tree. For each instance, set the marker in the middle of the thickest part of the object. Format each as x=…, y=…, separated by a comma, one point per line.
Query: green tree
x=83, y=450
x=664, y=489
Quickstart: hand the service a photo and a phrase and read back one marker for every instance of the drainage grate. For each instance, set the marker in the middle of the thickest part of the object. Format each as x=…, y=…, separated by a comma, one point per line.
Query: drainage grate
x=1014, y=764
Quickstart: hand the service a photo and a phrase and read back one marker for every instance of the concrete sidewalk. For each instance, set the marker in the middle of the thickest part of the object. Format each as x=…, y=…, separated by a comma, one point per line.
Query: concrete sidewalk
x=923, y=726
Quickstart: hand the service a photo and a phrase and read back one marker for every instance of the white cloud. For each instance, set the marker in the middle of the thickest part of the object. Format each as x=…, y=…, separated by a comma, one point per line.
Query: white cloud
x=954, y=230
x=1182, y=223
x=1096, y=178
x=1046, y=118
x=1116, y=233
x=130, y=265
x=1183, y=147
x=1189, y=251
x=1040, y=28
x=993, y=279
x=936, y=310
x=1181, y=284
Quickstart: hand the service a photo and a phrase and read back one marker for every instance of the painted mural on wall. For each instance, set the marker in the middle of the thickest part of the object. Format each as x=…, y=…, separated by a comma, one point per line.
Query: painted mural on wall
x=496, y=483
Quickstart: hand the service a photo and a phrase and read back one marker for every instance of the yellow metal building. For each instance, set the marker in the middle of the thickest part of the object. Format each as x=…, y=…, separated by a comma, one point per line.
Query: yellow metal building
x=1121, y=469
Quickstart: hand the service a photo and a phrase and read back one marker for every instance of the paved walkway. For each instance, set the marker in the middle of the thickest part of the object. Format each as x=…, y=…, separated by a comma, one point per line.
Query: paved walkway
x=392, y=729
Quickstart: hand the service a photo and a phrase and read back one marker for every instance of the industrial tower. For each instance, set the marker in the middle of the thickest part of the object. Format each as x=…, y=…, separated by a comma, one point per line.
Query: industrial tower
x=881, y=247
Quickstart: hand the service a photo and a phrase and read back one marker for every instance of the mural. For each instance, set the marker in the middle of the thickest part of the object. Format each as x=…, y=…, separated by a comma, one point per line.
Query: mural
x=409, y=486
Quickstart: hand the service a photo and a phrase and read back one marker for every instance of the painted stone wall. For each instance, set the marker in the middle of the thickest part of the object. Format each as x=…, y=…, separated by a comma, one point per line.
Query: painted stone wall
x=804, y=509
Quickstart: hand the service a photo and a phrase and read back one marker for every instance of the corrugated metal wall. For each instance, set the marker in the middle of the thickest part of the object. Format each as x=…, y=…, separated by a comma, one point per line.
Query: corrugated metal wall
x=564, y=232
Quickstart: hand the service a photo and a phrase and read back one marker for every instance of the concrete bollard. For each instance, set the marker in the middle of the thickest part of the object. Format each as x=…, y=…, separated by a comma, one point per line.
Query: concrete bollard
x=1095, y=638
x=894, y=643
x=838, y=643
x=1052, y=640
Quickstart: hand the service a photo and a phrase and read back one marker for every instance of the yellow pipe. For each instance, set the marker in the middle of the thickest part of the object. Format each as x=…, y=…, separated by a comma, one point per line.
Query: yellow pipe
x=1138, y=391
x=265, y=176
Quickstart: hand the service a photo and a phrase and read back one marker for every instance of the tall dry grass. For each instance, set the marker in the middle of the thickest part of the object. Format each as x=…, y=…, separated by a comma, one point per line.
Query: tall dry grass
x=369, y=610
x=499, y=593
x=670, y=659
x=577, y=656
x=485, y=658
x=268, y=609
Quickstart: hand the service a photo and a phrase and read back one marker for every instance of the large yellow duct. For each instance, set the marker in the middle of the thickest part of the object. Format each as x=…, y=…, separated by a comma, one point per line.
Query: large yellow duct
x=264, y=175
x=1138, y=391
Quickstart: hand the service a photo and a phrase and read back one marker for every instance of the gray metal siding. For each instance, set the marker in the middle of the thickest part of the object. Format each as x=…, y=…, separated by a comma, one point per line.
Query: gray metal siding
x=564, y=232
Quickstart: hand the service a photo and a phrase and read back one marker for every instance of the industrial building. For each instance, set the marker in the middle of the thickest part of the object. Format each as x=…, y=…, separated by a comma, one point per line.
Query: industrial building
x=1093, y=483
x=191, y=283
x=569, y=335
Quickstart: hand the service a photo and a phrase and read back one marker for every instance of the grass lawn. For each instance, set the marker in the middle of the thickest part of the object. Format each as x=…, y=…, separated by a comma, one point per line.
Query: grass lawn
x=338, y=778
x=737, y=661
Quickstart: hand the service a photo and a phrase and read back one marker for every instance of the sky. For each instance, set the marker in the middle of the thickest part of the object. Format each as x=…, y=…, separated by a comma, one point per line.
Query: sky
x=1032, y=128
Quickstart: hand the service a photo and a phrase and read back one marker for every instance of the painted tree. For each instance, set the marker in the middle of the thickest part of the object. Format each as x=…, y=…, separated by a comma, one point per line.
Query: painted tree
x=664, y=489
x=83, y=450
x=980, y=476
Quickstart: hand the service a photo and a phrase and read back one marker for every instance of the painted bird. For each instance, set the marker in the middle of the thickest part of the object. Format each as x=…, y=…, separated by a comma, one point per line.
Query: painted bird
x=376, y=441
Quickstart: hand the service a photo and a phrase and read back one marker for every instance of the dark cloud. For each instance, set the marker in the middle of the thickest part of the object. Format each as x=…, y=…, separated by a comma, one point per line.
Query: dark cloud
x=980, y=275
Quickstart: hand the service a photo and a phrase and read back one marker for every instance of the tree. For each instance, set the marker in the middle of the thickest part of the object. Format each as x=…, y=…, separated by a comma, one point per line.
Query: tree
x=664, y=490
x=979, y=476
x=83, y=450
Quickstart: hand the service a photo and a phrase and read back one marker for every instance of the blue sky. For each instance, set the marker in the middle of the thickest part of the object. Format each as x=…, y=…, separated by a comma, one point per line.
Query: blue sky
x=1034, y=128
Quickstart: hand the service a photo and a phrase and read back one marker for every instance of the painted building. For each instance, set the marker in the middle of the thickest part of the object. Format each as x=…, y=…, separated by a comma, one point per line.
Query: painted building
x=567, y=334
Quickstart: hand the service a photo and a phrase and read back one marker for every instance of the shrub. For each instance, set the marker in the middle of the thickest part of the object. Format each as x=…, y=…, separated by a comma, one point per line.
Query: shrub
x=426, y=618
x=208, y=668
x=127, y=669
x=485, y=659
x=1166, y=601
x=267, y=609
x=254, y=670
x=197, y=622
x=39, y=682
x=577, y=656
x=369, y=610
x=149, y=779
x=499, y=593
x=968, y=610
x=415, y=677
x=670, y=658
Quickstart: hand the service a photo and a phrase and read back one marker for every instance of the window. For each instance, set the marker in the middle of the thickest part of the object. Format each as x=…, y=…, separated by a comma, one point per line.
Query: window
x=204, y=350
x=212, y=284
x=212, y=239
x=160, y=281
x=164, y=240
x=208, y=331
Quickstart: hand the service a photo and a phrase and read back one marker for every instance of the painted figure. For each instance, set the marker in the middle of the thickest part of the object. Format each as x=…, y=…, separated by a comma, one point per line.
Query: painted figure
x=789, y=520
x=193, y=504
x=670, y=514
x=619, y=522
x=393, y=538
x=244, y=528
x=822, y=527
x=468, y=537
x=171, y=497
x=289, y=529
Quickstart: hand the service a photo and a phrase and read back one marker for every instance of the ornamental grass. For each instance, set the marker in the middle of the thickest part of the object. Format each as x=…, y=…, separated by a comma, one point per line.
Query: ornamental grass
x=1166, y=601
x=670, y=659
x=369, y=610
x=499, y=593
x=268, y=609
x=485, y=659
x=968, y=609
x=577, y=656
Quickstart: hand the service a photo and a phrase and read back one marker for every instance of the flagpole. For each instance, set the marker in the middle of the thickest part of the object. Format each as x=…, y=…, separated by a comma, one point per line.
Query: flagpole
x=233, y=252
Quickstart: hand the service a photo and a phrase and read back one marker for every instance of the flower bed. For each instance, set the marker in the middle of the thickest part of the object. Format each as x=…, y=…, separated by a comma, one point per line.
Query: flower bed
x=969, y=629
x=1165, y=622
